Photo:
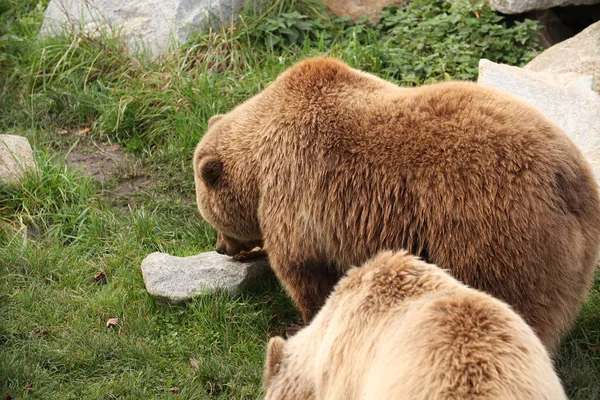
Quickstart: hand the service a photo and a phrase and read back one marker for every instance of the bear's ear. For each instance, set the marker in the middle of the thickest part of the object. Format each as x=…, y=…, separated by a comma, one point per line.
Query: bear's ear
x=214, y=119
x=274, y=356
x=211, y=170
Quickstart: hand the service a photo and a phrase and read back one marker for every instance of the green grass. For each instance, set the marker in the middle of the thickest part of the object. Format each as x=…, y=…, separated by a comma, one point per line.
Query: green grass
x=58, y=228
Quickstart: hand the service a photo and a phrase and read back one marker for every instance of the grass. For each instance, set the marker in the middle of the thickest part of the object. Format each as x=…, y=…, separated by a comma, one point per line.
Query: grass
x=59, y=227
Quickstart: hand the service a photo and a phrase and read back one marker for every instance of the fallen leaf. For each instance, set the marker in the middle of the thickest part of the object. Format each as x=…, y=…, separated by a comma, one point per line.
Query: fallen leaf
x=113, y=147
x=112, y=322
x=28, y=387
x=175, y=389
x=83, y=131
x=594, y=349
x=7, y=396
x=63, y=132
x=194, y=363
x=40, y=332
x=266, y=298
x=477, y=14
x=100, y=277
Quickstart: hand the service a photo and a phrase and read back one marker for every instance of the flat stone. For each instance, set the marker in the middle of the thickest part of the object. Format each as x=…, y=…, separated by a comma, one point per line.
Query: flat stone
x=521, y=6
x=16, y=158
x=579, y=54
x=177, y=279
x=146, y=24
x=567, y=99
x=356, y=8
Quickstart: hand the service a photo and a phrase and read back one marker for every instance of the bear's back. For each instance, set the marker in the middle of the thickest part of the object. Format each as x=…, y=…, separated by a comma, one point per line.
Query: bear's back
x=460, y=344
x=400, y=170
x=464, y=176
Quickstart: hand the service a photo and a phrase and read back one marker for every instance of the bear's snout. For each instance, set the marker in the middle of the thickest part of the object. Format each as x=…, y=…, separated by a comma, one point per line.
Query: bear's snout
x=231, y=247
x=221, y=248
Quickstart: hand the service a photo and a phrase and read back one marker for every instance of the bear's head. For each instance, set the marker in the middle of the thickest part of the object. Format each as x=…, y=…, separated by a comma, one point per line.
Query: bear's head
x=287, y=374
x=227, y=186
x=303, y=365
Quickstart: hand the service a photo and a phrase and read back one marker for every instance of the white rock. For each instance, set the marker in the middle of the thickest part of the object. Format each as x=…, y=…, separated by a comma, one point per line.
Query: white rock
x=152, y=24
x=567, y=99
x=580, y=54
x=177, y=279
x=521, y=6
x=16, y=157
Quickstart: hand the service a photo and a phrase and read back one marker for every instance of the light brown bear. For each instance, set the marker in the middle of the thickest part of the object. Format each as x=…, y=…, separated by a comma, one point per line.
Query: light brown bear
x=328, y=165
x=399, y=328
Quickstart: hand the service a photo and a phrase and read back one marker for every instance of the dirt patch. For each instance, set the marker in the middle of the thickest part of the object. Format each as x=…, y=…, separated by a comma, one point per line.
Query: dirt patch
x=101, y=162
x=135, y=184
x=107, y=164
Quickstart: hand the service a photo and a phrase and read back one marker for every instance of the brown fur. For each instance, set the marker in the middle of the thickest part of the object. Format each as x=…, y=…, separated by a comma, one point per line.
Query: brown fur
x=329, y=165
x=399, y=328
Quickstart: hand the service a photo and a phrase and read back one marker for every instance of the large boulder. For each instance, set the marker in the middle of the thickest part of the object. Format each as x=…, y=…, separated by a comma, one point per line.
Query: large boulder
x=146, y=24
x=16, y=158
x=567, y=99
x=177, y=279
x=356, y=8
x=521, y=6
x=580, y=54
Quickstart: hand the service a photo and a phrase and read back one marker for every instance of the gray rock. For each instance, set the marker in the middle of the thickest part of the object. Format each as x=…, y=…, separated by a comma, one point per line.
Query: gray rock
x=146, y=24
x=16, y=157
x=580, y=54
x=521, y=6
x=567, y=99
x=177, y=279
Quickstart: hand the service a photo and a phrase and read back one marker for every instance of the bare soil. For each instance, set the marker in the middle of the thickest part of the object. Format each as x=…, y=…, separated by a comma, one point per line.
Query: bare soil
x=108, y=163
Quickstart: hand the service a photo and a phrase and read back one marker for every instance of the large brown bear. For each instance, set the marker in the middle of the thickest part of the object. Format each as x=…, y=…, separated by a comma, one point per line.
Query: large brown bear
x=398, y=328
x=329, y=165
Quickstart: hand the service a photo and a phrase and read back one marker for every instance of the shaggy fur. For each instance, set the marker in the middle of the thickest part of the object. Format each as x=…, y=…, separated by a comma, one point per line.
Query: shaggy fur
x=399, y=328
x=329, y=165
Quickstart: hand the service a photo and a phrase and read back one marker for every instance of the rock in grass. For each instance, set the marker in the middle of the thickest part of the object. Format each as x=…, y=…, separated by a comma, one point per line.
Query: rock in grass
x=146, y=24
x=16, y=157
x=567, y=99
x=177, y=279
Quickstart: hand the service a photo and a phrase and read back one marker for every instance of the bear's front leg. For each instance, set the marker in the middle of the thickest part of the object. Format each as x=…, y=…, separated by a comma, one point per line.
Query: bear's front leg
x=308, y=283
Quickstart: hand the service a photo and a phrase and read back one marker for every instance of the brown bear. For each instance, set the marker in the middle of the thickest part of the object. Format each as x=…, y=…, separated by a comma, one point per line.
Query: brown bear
x=328, y=165
x=399, y=328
